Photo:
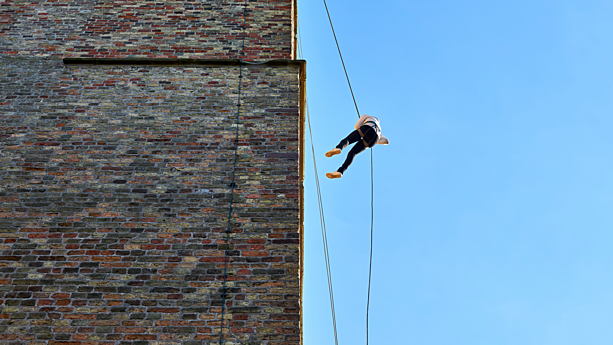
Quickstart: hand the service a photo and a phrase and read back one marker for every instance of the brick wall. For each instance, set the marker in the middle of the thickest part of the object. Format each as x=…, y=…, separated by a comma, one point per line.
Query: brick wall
x=114, y=191
x=115, y=180
x=209, y=29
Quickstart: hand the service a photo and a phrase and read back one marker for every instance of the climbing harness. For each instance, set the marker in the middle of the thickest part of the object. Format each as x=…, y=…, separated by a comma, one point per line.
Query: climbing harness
x=366, y=143
x=238, y=112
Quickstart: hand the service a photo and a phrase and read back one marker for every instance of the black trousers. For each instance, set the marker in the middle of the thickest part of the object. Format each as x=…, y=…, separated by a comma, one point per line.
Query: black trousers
x=370, y=136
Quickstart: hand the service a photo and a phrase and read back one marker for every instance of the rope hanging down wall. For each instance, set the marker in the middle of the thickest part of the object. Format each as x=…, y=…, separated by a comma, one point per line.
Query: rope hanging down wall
x=238, y=112
x=322, y=219
x=372, y=185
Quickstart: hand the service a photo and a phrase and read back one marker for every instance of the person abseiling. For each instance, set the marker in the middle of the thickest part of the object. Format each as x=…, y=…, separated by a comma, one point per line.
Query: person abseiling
x=367, y=134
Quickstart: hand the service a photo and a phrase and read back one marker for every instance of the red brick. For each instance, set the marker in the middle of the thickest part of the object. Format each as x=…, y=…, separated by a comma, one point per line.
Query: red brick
x=163, y=310
x=254, y=253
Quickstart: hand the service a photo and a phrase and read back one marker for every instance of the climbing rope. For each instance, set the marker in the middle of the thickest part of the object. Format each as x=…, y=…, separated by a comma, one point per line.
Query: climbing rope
x=321, y=208
x=238, y=112
x=324, y=233
x=372, y=226
x=342, y=60
x=372, y=185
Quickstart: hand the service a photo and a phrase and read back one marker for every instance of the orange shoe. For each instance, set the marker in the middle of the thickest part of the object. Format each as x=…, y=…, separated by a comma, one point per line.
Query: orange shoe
x=333, y=152
x=335, y=174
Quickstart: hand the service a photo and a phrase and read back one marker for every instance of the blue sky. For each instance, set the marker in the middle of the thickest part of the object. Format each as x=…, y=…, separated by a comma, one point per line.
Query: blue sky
x=493, y=202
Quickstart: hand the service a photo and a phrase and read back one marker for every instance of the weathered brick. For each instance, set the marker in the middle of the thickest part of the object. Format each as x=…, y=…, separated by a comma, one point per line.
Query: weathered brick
x=115, y=180
x=123, y=28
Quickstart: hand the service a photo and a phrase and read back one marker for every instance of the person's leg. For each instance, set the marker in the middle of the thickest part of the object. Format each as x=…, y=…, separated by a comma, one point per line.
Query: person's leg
x=357, y=148
x=350, y=139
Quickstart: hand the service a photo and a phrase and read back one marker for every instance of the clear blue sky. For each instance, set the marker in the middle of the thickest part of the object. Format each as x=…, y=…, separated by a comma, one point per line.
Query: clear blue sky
x=494, y=200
